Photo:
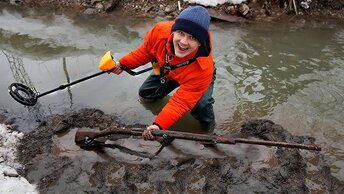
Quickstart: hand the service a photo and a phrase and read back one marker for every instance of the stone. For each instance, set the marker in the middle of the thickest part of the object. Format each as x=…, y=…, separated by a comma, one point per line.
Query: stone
x=244, y=9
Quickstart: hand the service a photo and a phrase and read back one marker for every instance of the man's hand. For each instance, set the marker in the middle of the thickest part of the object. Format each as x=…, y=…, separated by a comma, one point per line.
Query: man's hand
x=147, y=135
x=117, y=70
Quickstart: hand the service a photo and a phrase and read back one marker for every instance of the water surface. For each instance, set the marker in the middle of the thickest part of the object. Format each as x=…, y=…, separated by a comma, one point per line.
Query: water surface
x=292, y=74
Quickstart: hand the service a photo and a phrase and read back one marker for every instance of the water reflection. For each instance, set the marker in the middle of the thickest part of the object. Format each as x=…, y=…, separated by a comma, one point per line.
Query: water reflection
x=18, y=71
x=269, y=68
x=68, y=81
x=42, y=36
x=20, y=75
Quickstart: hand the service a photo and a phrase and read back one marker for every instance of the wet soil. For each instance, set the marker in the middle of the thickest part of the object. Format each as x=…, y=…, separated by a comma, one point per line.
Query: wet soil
x=56, y=164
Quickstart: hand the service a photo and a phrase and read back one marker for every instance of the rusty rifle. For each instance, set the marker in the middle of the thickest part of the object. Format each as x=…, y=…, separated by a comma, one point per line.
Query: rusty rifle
x=82, y=135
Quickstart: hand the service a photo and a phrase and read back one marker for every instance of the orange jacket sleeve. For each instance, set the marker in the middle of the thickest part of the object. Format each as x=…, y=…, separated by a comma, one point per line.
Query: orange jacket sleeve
x=140, y=56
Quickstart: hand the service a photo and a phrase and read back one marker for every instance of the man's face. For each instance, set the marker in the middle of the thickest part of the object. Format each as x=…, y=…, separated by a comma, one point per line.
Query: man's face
x=184, y=43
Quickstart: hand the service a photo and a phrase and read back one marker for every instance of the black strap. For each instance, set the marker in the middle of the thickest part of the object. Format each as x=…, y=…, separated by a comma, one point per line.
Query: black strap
x=169, y=67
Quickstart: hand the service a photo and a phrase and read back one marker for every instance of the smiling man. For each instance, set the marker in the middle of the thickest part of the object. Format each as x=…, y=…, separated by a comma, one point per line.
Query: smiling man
x=182, y=48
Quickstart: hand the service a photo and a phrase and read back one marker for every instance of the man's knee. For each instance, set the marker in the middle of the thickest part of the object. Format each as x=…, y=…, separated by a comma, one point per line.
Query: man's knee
x=142, y=99
x=204, y=103
x=148, y=93
x=142, y=92
x=204, y=113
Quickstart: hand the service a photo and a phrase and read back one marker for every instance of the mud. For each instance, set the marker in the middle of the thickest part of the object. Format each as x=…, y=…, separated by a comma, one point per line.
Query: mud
x=53, y=161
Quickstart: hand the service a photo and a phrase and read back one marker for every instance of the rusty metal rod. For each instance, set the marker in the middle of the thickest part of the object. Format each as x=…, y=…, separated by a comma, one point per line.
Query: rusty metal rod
x=83, y=135
x=315, y=147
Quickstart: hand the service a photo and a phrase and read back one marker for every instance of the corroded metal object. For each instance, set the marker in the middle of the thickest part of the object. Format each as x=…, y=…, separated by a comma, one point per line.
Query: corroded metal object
x=82, y=136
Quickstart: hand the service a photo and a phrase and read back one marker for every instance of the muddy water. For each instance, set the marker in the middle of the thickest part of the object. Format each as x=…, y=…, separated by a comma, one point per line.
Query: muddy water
x=289, y=73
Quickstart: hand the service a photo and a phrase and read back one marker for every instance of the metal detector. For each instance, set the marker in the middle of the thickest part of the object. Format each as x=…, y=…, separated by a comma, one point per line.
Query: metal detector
x=24, y=95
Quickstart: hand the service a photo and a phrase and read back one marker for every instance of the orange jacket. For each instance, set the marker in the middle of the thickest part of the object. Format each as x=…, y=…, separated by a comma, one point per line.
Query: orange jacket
x=194, y=79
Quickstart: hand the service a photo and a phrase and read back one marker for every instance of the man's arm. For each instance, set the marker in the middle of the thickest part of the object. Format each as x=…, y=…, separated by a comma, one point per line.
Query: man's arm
x=140, y=55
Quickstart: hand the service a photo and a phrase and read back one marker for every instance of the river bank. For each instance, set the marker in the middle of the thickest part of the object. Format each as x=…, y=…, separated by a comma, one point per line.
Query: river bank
x=57, y=165
x=232, y=10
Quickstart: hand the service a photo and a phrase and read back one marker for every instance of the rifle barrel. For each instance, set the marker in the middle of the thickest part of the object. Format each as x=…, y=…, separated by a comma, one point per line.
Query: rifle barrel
x=280, y=144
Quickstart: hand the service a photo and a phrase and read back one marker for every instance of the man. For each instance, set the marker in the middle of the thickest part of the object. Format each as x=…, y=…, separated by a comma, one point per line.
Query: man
x=182, y=48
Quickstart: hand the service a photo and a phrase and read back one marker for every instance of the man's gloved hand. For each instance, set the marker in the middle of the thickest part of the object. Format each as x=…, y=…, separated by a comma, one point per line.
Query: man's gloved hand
x=118, y=70
x=147, y=135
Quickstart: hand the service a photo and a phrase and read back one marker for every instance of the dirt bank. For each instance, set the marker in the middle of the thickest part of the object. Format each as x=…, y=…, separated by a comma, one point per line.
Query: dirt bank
x=250, y=10
x=53, y=162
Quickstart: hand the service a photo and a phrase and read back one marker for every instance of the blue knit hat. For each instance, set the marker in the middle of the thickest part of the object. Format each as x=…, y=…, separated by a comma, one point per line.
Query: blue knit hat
x=194, y=20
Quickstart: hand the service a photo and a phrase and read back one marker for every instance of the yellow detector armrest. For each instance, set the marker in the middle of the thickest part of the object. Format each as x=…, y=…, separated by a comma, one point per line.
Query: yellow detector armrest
x=107, y=62
x=156, y=68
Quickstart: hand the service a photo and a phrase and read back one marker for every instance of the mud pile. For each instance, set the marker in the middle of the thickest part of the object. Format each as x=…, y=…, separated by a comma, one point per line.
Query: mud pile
x=56, y=164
